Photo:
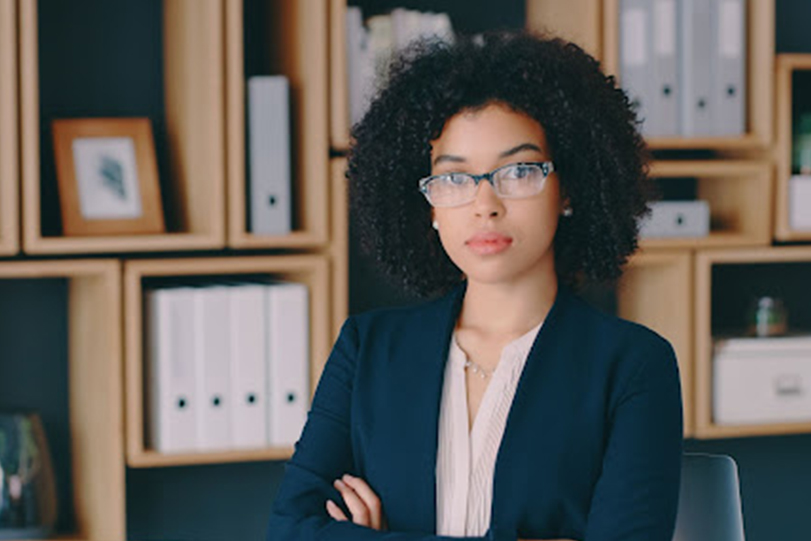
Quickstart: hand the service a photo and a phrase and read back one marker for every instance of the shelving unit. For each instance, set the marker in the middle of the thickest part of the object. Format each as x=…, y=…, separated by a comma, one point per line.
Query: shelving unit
x=94, y=389
x=9, y=167
x=788, y=66
x=653, y=290
x=310, y=269
x=759, y=86
x=193, y=88
x=736, y=191
x=707, y=322
x=297, y=42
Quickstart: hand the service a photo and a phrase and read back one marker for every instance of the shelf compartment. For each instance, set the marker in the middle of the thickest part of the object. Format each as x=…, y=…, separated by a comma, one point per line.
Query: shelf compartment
x=739, y=194
x=760, y=63
x=9, y=146
x=94, y=392
x=788, y=67
x=311, y=269
x=656, y=290
x=179, y=86
x=725, y=282
x=294, y=36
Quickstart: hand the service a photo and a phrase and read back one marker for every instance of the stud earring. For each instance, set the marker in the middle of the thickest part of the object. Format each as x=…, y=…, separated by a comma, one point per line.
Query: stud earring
x=435, y=225
x=568, y=211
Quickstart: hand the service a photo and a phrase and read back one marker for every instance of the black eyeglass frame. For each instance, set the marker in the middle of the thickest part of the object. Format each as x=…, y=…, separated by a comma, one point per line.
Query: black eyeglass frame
x=547, y=168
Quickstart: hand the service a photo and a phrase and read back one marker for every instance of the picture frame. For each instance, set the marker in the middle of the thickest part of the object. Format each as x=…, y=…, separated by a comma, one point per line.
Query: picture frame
x=107, y=176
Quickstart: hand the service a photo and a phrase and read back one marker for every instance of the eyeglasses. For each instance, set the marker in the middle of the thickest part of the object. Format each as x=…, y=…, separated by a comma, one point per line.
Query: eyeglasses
x=512, y=181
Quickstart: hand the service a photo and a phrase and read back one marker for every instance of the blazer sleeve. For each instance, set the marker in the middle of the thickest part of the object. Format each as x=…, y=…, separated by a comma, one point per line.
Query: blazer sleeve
x=324, y=453
x=636, y=497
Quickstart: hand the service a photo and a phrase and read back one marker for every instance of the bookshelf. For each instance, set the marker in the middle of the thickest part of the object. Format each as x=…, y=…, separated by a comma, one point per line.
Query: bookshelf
x=310, y=269
x=789, y=99
x=296, y=36
x=9, y=167
x=725, y=280
x=653, y=290
x=191, y=109
x=95, y=393
x=735, y=190
x=602, y=39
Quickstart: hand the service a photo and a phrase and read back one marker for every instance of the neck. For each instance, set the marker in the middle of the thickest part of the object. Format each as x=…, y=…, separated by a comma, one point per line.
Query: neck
x=508, y=308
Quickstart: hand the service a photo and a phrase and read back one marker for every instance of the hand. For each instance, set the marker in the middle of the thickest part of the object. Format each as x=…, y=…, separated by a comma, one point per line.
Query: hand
x=362, y=502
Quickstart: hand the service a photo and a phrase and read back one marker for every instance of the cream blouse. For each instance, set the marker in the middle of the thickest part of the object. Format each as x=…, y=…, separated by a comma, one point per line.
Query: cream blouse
x=466, y=459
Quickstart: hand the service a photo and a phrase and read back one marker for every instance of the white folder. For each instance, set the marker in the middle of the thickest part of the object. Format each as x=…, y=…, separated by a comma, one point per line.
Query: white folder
x=170, y=360
x=288, y=361
x=697, y=39
x=665, y=91
x=248, y=367
x=729, y=17
x=269, y=186
x=213, y=368
x=636, y=69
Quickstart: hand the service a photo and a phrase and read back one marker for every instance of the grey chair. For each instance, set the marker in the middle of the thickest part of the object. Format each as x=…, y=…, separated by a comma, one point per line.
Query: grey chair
x=709, y=501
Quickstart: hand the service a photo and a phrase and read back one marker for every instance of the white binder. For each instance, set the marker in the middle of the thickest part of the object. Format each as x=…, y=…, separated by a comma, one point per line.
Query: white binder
x=269, y=172
x=214, y=415
x=288, y=361
x=636, y=69
x=248, y=368
x=698, y=40
x=729, y=101
x=170, y=360
x=665, y=91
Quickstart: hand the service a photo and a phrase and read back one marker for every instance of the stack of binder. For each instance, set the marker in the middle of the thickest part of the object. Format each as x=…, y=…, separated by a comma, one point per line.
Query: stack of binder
x=683, y=64
x=227, y=366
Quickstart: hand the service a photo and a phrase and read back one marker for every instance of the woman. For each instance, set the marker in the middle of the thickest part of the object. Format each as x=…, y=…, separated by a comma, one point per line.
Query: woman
x=498, y=174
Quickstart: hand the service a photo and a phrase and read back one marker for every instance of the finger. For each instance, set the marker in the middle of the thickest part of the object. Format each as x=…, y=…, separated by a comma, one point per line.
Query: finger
x=369, y=498
x=360, y=513
x=335, y=511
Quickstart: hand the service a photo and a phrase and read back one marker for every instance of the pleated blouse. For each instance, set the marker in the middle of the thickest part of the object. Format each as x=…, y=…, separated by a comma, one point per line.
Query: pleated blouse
x=466, y=458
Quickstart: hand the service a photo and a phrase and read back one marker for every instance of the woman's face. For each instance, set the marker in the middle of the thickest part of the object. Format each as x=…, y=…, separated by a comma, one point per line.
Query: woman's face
x=478, y=142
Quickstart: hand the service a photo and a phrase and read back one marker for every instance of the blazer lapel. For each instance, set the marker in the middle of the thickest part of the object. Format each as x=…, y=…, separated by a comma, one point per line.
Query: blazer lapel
x=420, y=416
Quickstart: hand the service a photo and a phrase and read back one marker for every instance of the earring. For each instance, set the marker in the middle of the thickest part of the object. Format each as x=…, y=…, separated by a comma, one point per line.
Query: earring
x=568, y=211
x=435, y=225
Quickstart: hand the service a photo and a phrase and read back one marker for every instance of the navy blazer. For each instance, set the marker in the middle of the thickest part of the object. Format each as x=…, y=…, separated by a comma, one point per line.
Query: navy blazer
x=591, y=450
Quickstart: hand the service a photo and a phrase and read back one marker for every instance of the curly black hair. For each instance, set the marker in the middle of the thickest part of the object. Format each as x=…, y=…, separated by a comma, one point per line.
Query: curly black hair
x=591, y=129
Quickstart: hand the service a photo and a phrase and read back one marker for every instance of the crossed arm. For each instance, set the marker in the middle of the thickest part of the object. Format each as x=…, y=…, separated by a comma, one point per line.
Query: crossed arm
x=634, y=498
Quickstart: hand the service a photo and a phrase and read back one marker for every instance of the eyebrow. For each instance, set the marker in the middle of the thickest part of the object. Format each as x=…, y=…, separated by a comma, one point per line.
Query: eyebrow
x=507, y=153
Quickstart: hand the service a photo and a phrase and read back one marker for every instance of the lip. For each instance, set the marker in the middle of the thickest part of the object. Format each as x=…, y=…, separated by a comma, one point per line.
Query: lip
x=489, y=243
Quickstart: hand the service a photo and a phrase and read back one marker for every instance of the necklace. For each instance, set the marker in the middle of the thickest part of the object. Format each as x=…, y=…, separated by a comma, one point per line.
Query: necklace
x=478, y=369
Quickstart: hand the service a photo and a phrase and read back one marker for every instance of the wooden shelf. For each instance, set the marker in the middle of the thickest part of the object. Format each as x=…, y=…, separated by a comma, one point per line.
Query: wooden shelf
x=95, y=393
x=297, y=42
x=193, y=79
x=9, y=167
x=339, y=245
x=704, y=263
x=151, y=459
x=579, y=24
x=739, y=194
x=667, y=277
x=310, y=269
x=786, y=66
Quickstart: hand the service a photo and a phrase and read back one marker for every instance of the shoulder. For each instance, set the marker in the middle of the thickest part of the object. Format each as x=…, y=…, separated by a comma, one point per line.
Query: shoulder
x=629, y=354
x=384, y=321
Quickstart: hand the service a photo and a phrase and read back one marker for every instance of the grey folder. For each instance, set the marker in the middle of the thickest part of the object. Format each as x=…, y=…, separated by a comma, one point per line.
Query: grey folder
x=269, y=185
x=636, y=61
x=665, y=92
x=729, y=56
x=698, y=46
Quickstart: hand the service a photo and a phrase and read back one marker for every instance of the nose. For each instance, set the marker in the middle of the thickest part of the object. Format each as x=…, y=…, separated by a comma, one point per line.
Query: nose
x=487, y=202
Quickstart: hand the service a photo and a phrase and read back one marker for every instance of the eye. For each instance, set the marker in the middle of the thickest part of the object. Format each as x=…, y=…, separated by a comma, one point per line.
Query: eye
x=519, y=172
x=453, y=178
